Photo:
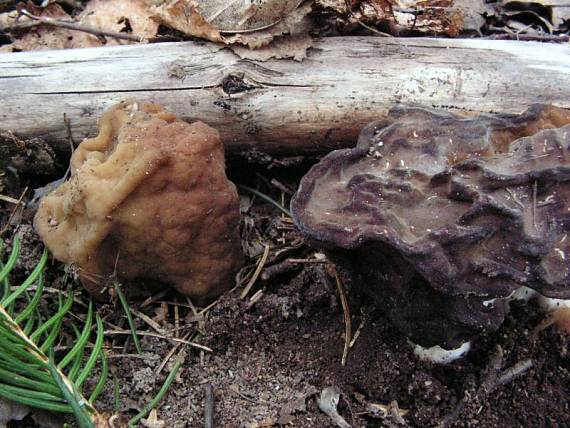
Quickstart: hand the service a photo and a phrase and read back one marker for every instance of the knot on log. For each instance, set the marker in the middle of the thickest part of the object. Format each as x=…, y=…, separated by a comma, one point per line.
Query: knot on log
x=235, y=83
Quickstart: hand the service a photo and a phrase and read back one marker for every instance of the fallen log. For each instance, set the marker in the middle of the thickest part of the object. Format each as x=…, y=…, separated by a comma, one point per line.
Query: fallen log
x=279, y=106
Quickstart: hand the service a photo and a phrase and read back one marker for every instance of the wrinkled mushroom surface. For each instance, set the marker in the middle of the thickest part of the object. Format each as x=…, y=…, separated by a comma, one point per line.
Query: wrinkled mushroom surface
x=440, y=217
x=148, y=197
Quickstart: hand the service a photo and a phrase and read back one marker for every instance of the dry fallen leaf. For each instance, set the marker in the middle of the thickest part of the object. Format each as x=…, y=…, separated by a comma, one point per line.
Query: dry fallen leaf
x=232, y=16
x=327, y=402
x=294, y=24
x=161, y=313
x=473, y=13
x=294, y=46
x=250, y=24
x=184, y=16
x=10, y=411
x=559, y=9
x=270, y=43
x=119, y=16
x=233, y=23
x=39, y=37
x=152, y=421
x=129, y=16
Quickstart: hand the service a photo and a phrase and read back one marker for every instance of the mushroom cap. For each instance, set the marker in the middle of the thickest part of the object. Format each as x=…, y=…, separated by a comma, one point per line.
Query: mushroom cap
x=447, y=213
x=147, y=200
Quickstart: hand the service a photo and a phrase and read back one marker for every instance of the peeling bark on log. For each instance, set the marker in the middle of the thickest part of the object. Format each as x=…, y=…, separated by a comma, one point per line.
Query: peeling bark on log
x=279, y=106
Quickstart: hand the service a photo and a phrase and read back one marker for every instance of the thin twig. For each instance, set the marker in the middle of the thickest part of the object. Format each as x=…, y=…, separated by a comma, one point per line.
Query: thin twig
x=10, y=200
x=515, y=371
x=80, y=27
x=534, y=192
x=346, y=312
x=358, y=330
x=368, y=27
x=174, y=339
x=192, y=307
x=176, y=321
x=171, y=353
x=256, y=273
x=208, y=406
x=207, y=308
x=556, y=38
x=116, y=356
x=255, y=298
x=150, y=322
x=13, y=213
x=278, y=269
x=150, y=300
x=307, y=261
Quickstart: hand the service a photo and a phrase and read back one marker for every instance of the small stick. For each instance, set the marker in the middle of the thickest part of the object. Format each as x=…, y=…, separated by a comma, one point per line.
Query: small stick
x=176, y=320
x=13, y=213
x=307, y=261
x=208, y=406
x=346, y=312
x=515, y=371
x=255, y=298
x=534, y=191
x=171, y=353
x=357, y=333
x=150, y=322
x=192, y=307
x=10, y=200
x=531, y=37
x=116, y=356
x=369, y=28
x=80, y=27
x=281, y=186
x=277, y=269
x=159, y=336
x=256, y=273
x=152, y=299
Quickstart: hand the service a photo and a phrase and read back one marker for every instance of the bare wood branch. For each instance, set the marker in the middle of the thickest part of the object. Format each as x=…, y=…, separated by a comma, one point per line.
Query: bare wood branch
x=100, y=33
x=279, y=106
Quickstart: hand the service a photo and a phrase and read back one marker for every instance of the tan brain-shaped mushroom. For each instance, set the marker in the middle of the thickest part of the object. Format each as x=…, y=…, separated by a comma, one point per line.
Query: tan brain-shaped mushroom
x=148, y=200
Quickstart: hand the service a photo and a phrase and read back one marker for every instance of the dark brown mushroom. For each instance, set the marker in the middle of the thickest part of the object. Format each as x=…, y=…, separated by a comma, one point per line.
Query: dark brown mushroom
x=441, y=218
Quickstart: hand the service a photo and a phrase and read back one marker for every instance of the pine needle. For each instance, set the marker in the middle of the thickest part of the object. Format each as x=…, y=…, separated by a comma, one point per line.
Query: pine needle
x=144, y=412
x=29, y=373
x=129, y=316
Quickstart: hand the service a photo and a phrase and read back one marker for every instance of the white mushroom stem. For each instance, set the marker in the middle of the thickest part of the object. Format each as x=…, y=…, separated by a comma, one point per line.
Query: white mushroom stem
x=523, y=293
x=438, y=355
x=547, y=304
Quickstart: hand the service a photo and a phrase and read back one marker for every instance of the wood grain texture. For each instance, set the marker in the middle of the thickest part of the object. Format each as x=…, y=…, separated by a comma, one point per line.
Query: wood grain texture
x=279, y=106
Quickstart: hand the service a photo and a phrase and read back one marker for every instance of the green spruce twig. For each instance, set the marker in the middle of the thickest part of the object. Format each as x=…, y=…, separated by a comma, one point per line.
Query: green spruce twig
x=29, y=373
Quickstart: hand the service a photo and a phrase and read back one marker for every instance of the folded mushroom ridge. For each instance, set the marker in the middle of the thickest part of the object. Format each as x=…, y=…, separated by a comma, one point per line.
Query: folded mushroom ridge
x=454, y=212
x=149, y=201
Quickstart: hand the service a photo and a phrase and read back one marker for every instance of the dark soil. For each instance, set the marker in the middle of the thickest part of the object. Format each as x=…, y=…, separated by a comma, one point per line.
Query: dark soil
x=272, y=355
